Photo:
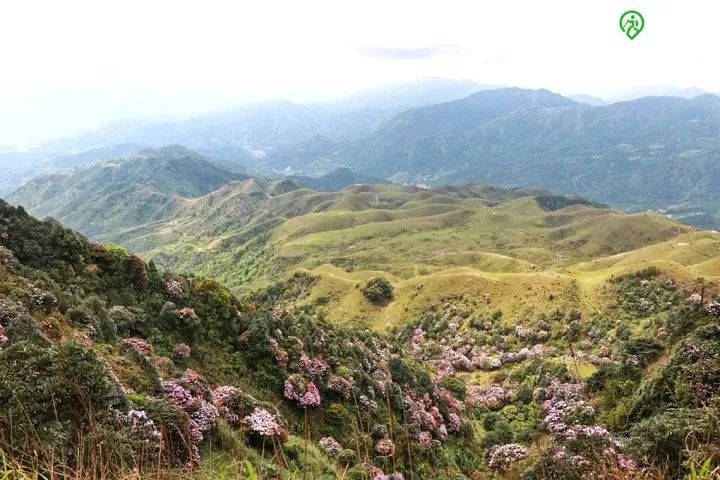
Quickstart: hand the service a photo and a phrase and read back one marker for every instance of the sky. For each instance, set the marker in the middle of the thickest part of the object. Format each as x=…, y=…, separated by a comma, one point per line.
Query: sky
x=70, y=65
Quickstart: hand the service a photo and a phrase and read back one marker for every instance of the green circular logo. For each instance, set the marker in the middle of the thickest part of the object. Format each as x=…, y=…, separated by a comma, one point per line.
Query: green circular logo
x=632, y=23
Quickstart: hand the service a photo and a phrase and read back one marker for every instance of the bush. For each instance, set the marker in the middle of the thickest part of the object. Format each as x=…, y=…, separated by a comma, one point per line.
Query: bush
x=378, y=290
x=53, y=395
x=646, y=350
x=663, y=438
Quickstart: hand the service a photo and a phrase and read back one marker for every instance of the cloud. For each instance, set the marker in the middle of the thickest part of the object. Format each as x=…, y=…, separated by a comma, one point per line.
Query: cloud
x=412, y=53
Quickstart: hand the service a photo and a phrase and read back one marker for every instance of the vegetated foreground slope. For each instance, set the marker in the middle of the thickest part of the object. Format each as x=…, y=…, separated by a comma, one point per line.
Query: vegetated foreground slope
x=109, y=368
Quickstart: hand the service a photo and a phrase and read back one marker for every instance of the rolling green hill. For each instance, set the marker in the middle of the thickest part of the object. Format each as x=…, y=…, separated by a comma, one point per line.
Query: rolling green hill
x=519, y=246
x=150, y=185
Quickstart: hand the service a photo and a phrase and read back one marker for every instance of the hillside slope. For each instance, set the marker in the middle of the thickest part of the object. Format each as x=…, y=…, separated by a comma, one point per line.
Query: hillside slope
x=518, y=246
x=109, y=369
x=150, y=185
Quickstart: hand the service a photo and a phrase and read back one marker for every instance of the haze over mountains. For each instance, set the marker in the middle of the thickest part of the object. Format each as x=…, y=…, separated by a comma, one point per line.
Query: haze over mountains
x=650, y=153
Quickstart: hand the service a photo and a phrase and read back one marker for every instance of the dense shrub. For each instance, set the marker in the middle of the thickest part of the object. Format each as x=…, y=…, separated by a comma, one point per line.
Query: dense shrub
x=378, y=290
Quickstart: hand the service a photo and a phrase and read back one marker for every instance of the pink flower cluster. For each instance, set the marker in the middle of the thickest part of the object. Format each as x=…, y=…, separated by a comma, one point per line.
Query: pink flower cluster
x=139, y=344
x=177, y=394
x=424, y=440
x=181, y=351
x=379, y=475
x=492, y=396
x=385, y=447
x=340, y=385
x=503, y=456
x=202, y=421
x=223, y=397
x=188, y=317
x=196, y=384
x=297, y=388
x=281, y=355
x=263, y=423
x=575, y=441
x=313, y=369
x=173, y=287
x=423, y=415
x=3, y=338
x=190, y=395
x=418, y=338
x=143, y=427
x=330, y=446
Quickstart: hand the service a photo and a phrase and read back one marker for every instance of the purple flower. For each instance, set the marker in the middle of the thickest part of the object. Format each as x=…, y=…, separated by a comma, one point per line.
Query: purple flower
x=177, y=394
x=311, y=397
x=142, y=346
x=173, y=287
x=181, y=351
x=223, y=397
x=385, y=447
x=331, y=446
x=262, y=422
x=299, y=389
x=425, y=440
x=341, y=385
x=313, y=368
x=143, y=427
x=501, y=457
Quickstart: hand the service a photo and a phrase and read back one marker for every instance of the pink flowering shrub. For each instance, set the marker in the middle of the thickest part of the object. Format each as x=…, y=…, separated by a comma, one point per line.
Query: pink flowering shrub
x=263, y=423
x=141, y=345
x=424, y=415
x=577, y=444
x=305, y=393
x=143, y=429
x=424, y=440
x=330, y=446
x=3, y=338
x=340, y=385
x=225, y=401
x=313, y=369
x=188, y=317
x=181, y=352
x=281, y=355
x=174, y=288
x=492, y=397
x=385, y=447
x=378, y=474
x=190, y=395
x=202, y=421
x=503, y=456
x=177, y=394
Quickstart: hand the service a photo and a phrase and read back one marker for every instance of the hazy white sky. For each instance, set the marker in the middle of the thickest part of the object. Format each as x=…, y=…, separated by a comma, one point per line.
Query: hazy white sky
x=73, y=64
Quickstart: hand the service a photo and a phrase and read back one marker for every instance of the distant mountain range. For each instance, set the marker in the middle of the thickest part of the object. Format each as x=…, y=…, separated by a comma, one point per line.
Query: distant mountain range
x=655, y=153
